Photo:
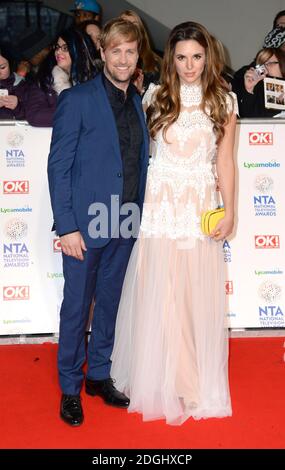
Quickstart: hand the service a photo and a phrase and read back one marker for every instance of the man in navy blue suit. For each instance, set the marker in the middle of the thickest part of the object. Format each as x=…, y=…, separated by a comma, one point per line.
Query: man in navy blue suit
x=97, y=167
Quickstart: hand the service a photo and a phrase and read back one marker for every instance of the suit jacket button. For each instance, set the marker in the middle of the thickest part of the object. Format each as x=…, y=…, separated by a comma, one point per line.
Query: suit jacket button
x=119, y=175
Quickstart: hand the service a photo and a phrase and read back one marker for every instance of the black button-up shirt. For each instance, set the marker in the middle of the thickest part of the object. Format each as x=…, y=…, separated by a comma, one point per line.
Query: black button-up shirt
x=130, y=136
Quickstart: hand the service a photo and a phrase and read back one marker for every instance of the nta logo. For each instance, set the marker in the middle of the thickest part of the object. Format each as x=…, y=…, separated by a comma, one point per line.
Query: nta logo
x=260, y=138
x=16, y=229
x=269, y=291
x=16, y=293
x=267, y=241
x=15, y=139
x=16, y=187
x=263, y=184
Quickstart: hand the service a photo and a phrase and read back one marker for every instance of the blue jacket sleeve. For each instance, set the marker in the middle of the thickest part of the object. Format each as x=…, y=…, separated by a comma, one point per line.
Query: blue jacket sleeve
x=65, y=136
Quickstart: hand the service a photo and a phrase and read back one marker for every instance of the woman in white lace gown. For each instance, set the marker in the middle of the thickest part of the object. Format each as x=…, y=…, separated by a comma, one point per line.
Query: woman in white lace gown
x=171, y=348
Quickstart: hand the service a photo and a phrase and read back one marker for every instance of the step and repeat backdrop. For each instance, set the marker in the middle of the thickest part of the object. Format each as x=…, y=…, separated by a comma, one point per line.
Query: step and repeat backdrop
x=31, y=279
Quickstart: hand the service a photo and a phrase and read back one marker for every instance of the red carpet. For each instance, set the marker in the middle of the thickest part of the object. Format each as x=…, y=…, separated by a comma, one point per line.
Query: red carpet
x=30, y=400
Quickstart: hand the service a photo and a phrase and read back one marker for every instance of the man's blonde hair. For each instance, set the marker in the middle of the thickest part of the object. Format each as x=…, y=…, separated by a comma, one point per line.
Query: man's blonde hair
x=117, y=31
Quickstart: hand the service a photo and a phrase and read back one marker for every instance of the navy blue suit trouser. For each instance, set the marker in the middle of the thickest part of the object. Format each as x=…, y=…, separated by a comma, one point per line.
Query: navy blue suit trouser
x=101, y=274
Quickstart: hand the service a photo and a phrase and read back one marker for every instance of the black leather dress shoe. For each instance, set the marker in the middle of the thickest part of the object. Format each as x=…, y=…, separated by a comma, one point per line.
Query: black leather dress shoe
x=71, y=410
x=106, y=390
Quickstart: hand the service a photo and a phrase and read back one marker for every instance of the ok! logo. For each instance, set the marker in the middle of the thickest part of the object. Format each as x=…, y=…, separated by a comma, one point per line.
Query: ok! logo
x=260, y=138
x=16, y=187
x=267, y=241
x=16, y=293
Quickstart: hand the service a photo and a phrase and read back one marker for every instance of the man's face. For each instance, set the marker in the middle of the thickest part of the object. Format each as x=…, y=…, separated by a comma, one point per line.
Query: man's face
x=82, y=15
x=120, y=62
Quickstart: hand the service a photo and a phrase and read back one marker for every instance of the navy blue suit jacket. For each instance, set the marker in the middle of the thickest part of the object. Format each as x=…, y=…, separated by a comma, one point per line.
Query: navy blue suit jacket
x=85, y=163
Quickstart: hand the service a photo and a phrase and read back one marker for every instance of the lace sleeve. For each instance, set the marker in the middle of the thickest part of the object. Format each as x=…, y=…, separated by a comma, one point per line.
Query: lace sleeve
x=232, y=103
x=149, y=95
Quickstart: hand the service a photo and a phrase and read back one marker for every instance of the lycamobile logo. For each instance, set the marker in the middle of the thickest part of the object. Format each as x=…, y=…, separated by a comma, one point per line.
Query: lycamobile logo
x=261, y=165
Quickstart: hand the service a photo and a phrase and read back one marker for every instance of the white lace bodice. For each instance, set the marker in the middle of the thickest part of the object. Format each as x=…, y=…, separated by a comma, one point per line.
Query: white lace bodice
x=184, y=162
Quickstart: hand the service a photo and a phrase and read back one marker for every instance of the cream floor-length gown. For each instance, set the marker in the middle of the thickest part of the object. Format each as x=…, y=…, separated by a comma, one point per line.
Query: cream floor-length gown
x=171, y=346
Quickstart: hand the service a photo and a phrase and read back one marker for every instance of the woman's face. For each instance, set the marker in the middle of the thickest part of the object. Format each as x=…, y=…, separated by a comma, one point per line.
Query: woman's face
x=189, y=60
x=4, y=68
x=62, y=56
x=281, y=22
x=272, y=67
x=94, y=32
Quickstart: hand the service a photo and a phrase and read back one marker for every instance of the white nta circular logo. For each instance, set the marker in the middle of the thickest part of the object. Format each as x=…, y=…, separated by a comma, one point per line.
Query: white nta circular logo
x=15, y=139
x=263, y=184
x=15, y=229
x=269, y=291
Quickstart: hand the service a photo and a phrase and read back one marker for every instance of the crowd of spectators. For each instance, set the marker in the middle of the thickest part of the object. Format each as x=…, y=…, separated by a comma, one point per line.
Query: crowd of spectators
x=29, y=87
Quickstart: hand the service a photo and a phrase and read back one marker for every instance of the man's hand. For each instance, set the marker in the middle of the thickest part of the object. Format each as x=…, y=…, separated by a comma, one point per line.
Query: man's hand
x=72, y=244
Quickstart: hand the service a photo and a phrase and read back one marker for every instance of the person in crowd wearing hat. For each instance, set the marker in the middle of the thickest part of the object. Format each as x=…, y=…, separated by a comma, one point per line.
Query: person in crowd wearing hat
x=84, y=10
x=275, y=38
x=13, y=89
x=248, y=81
x=72, y=60
x=99, y=156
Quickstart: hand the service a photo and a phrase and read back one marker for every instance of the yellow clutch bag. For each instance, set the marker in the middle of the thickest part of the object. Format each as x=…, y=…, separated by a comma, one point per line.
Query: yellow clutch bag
x=209, y=219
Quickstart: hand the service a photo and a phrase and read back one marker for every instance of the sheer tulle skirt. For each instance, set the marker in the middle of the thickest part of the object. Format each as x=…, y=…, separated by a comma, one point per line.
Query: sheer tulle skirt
x=171, y=348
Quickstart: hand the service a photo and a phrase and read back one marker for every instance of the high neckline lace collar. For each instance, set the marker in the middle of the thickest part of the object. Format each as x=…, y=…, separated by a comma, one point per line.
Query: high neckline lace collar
x=190, y=95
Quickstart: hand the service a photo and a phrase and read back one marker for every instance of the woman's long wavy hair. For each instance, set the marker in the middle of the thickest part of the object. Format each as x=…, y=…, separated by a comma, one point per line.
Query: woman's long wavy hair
x=166, y=107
